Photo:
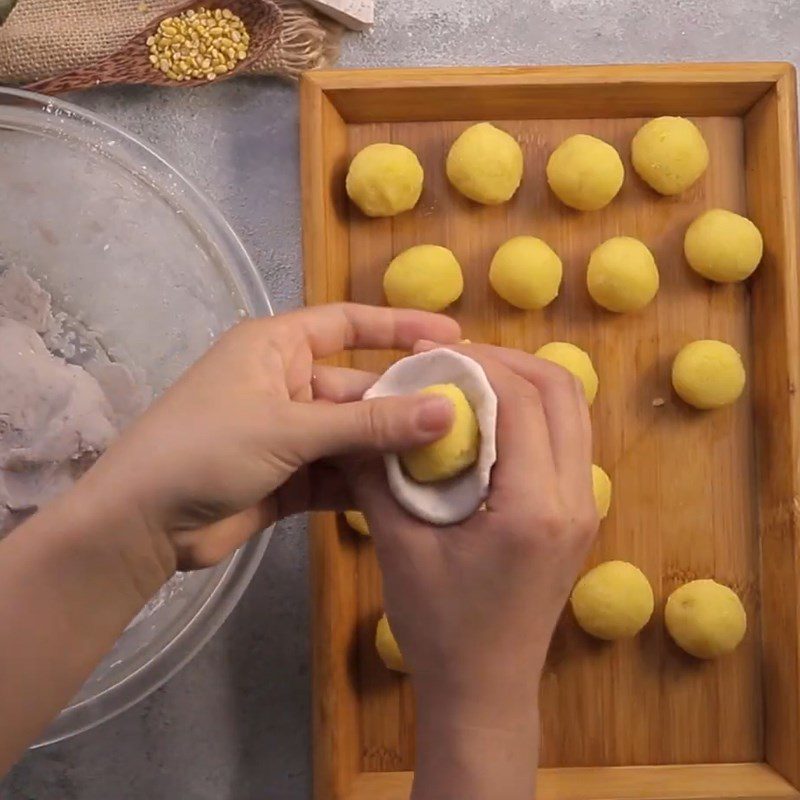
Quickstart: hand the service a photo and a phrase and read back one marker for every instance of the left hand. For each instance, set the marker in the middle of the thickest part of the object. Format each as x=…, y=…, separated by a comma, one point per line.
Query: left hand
x=248, y=434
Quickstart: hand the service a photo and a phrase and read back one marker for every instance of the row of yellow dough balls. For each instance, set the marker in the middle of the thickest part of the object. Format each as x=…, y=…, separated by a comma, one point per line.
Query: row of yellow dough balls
x=706, y=373
x=621, y=275
x=615, y=601
x=485, y=164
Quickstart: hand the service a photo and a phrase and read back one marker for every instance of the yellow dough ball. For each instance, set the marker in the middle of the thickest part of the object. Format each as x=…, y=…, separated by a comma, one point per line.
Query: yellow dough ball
x=384, y=179
x=601, y=486
x=723, y=246
x=705, y=618
x=425, y=276
x=485, y=164
x=526, y=272
x=585, y=172
x=708, y=374
x=669, y=154
x=454, y=452
x=576, y=361
x=357, y=521
x=387, y=648
x=613, y=601
x=622, y=275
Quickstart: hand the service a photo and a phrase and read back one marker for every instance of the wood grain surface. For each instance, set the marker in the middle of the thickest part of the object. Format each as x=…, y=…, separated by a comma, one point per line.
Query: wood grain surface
x=683, y=480
x=696, y=494
x=698, y=782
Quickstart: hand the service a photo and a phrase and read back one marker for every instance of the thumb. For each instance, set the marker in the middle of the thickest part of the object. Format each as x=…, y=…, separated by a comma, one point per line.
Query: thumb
x=386, y=424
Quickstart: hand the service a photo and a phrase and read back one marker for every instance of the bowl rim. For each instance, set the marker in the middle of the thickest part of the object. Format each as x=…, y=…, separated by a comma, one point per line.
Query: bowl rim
x=241, y=566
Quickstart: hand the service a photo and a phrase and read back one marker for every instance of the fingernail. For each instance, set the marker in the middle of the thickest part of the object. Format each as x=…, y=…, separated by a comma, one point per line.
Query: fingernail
x=434, y=414
x=424, y=345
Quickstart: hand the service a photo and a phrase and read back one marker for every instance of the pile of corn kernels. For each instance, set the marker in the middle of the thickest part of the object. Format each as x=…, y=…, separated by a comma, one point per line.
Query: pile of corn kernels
x=199, y=43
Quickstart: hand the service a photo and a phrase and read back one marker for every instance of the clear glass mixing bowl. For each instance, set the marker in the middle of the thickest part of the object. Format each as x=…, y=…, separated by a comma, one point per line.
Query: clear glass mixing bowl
x=128, y=246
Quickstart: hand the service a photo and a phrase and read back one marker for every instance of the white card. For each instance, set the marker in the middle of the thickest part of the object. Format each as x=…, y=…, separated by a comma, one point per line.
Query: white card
x=355, y=14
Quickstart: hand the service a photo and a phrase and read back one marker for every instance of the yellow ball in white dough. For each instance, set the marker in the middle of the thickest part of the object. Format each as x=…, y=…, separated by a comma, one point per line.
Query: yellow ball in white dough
x=384, y=179
x=708, y=374
x=576, y=361
x=613, y=601
x=425, y=276
x=669, y=154
x=526, y=272
x=723, y=246
x=357, y=521
x=601, y=486
x=454, y=452
x=705, y=618
x=485, y=164
x=622, y=275
x=387, y=647
x=585, y=172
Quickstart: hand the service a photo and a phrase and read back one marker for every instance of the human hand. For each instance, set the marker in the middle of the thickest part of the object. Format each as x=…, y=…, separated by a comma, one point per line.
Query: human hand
x=473, y=606
x=251, y=432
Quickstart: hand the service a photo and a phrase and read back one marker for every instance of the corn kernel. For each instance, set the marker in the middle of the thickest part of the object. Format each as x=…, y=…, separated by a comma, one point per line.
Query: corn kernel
x=198, y=43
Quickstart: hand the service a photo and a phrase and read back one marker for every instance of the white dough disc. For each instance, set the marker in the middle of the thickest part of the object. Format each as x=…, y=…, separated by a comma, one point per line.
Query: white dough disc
x=450, y=501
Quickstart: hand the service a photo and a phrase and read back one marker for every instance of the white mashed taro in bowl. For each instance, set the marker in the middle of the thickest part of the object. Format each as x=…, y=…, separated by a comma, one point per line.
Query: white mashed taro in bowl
x=116, y=274
x=62, y=399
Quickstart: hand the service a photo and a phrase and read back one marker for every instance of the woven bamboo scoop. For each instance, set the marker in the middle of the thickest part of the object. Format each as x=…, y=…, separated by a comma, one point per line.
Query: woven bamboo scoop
x=131, y=65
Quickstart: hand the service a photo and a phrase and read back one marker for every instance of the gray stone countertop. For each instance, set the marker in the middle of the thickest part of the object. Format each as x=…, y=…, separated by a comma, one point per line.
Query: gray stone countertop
x=235, y=723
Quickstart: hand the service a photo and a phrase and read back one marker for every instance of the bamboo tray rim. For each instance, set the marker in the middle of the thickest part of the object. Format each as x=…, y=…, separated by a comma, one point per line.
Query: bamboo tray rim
x=346, y=95
x=634, y=73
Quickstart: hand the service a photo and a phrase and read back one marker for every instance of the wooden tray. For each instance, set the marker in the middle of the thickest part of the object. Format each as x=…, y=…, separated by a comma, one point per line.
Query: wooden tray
x=696, y=494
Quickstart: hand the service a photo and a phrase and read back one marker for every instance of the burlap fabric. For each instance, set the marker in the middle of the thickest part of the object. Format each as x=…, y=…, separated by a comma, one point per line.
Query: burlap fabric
x=42, y=38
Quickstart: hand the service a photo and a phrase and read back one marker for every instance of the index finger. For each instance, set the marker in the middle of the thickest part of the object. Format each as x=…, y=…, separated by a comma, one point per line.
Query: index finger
x=525, y=472
x=329, y=329
x=563, y=399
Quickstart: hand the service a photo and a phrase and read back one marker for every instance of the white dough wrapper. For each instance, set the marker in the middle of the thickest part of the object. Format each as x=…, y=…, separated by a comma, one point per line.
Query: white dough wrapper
x=450, y=501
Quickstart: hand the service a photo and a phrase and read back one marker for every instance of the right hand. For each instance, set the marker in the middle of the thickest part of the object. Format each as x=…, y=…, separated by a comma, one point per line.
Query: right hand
x=473, y=606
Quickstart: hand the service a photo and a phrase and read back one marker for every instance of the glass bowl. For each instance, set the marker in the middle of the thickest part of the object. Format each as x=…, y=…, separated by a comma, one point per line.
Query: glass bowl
x=129, y=247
